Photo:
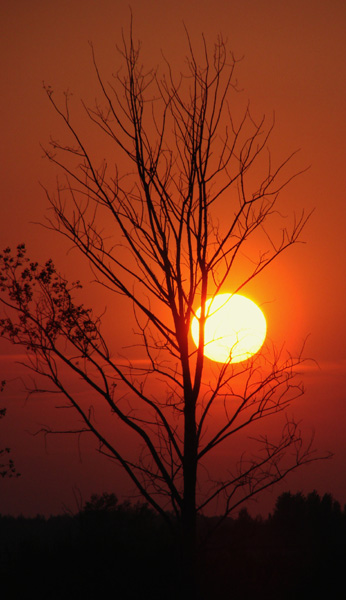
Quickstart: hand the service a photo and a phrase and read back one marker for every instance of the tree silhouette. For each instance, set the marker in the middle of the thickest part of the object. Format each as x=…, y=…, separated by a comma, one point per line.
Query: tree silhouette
x=151, y=228
x=7, y=468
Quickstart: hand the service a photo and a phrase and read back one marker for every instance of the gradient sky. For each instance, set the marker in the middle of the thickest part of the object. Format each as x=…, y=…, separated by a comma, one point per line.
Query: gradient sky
x=294, y=65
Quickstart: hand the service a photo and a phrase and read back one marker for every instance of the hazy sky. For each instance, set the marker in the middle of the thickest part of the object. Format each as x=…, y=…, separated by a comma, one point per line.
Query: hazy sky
x=294, y=65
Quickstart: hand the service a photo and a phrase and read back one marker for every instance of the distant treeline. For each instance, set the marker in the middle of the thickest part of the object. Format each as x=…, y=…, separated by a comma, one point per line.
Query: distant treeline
x=126, y=551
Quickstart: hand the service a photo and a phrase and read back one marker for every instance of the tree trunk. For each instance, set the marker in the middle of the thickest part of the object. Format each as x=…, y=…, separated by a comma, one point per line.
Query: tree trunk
x=189, y=530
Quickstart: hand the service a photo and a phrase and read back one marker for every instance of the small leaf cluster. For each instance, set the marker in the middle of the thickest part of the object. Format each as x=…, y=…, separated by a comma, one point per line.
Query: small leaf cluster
x=44, y=306
x=7, y=468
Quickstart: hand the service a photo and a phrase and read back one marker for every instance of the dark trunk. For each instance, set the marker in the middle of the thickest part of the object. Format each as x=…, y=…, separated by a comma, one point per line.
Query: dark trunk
x=189, y=553
x=189, y=532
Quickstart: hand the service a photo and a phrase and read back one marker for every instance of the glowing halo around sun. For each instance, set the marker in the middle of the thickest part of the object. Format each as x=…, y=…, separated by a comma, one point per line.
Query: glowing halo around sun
x=235, y=328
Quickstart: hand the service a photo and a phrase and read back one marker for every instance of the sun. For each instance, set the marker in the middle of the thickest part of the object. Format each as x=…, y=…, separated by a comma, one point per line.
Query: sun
x=235, y=328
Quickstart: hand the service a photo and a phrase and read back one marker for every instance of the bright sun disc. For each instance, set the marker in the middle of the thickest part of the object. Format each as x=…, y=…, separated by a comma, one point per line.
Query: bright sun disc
x=235, y=328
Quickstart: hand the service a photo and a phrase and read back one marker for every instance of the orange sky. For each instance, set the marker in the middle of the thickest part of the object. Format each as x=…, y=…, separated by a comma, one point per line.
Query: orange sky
x=294, y=64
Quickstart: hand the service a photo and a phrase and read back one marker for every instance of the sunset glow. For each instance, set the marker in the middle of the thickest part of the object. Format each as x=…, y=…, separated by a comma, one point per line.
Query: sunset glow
x=289, y=80
x=235, y=328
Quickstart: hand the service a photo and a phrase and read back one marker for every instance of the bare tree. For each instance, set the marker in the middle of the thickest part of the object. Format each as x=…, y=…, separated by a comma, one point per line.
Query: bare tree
x=151, y=233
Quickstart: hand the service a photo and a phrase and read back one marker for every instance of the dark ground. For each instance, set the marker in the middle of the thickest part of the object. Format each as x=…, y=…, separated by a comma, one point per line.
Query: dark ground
x=125, y=552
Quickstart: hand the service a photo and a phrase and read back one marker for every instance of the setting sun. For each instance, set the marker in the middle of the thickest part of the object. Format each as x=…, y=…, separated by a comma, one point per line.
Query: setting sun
x=235, y=328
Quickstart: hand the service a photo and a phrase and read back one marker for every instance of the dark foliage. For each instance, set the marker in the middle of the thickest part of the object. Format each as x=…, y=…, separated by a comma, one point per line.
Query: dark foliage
x=7, y=468
x=298, y=552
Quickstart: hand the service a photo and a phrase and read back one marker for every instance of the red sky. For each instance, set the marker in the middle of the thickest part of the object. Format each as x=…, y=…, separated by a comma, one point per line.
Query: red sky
x=294, y=64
